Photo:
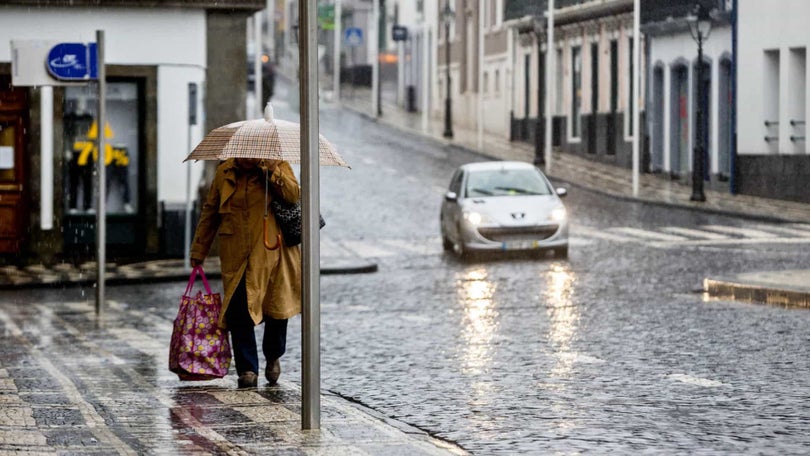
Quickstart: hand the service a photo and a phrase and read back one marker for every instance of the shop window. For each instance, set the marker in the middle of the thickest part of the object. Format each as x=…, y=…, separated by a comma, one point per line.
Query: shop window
x=122, y=145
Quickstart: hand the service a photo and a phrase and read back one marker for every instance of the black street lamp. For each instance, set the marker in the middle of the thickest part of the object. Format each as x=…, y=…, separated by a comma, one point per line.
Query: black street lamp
x=447, y=17
x=700, y=26
x=538, y=27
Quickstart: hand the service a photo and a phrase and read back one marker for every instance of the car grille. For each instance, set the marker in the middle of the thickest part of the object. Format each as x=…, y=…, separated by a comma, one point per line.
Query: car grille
x=518, y=233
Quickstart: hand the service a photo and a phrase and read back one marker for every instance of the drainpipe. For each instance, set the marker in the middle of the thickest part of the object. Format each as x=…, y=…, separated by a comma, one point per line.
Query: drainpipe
x=733, y=162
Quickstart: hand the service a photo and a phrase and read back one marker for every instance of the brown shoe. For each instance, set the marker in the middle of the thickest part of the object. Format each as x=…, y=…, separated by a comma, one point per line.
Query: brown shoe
x=273, y=371
x=248, y=380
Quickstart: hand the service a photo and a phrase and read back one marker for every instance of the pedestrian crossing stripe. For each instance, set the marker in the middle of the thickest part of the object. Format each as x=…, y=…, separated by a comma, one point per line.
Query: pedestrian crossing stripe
x=581, y=235
x=743, y=232
x=648, y=234
x=689, y=232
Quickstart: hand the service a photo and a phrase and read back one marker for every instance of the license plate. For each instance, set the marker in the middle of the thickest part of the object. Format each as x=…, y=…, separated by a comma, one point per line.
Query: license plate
x=520, y=245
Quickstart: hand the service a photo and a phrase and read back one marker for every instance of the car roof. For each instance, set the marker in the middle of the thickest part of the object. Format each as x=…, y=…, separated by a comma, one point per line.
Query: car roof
x=495, y=165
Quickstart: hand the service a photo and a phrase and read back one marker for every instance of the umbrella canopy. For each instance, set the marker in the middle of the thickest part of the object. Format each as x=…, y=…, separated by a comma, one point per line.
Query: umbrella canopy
x=267, y=138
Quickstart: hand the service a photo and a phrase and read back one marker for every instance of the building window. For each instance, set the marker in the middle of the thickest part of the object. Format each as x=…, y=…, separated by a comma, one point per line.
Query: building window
x=797, y=88
x=630, y=83
x=497, y=88
x=559, y=80
x=576, y=91
x=486, y=82
x=121, y=148
x=771, y=99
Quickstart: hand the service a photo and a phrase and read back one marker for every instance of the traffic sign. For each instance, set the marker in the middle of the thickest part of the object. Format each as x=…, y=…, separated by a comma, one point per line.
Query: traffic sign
x=399, y=33
x=353, y=36
x=73, y=61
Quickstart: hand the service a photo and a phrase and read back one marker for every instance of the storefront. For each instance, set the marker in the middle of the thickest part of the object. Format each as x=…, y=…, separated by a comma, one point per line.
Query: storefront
x=125, y=158
x=153, y=55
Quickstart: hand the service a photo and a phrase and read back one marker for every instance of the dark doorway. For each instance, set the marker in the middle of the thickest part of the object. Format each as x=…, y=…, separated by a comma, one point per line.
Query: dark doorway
x=657, y=106
x=610, y=135
x=594, y=98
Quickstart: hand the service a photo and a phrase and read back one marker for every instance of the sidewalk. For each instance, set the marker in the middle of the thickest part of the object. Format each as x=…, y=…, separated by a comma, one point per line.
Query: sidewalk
x=782, y=287
x=72, y=382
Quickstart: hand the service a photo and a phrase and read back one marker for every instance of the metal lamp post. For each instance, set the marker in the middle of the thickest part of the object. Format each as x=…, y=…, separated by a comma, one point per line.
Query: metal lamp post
x=700, y=26
x=447, y=17
x=539, y=133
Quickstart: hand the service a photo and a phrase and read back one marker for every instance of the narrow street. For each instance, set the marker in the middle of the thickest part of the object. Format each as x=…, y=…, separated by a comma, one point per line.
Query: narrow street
x=612, y=350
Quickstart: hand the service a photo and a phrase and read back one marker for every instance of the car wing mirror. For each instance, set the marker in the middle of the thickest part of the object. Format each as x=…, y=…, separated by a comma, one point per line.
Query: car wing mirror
x=561, y=192
x=451, y=197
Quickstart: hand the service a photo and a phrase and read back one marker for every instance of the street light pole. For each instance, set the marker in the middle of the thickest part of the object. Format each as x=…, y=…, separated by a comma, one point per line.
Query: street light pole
x=697, y=153
x=448, y=103
x=700, y=26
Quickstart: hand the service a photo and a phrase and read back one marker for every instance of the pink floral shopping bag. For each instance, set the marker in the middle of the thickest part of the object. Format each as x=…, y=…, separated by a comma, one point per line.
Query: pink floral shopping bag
x=199, y=347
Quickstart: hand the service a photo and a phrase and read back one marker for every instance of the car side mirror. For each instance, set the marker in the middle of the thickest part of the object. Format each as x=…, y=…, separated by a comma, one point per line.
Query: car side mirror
x=561, y=192
x=451, y=197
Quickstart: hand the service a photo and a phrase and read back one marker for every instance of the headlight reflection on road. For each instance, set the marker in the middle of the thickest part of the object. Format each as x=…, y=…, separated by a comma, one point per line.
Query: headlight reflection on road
x=480, y=324
x=480, y=319
x=563, y=317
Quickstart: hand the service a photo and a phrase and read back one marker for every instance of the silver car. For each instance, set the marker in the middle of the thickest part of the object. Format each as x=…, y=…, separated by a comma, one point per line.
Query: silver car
x=503, y=206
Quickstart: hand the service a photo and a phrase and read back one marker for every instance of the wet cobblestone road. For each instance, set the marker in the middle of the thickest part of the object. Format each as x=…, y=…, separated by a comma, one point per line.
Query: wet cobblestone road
x=611, y=351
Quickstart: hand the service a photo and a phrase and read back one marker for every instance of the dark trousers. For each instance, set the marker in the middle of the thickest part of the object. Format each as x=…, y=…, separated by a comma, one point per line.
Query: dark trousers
x=243, y=339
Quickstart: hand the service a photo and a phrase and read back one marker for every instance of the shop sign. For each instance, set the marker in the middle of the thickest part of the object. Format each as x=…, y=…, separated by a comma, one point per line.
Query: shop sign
x=73, y=61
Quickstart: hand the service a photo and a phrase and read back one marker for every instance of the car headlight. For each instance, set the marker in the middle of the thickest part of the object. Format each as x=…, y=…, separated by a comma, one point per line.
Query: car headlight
x=558, y=214
x=473, y=217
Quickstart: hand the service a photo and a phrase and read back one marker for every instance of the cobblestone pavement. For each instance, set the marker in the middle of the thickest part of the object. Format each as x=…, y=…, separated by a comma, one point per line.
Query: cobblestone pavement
x=72, y=383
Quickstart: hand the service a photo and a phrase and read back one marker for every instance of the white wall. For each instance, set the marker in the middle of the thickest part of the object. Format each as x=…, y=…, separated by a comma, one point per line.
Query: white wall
x=669, y=50
x=172, y=39
x=173, y=132
x=765, y=27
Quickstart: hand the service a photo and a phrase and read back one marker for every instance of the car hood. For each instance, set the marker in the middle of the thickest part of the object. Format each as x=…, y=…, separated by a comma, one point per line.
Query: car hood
x=514, y=210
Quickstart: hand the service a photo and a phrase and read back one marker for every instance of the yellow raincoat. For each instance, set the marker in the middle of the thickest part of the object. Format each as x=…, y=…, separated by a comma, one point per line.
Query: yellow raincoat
x=234, y=209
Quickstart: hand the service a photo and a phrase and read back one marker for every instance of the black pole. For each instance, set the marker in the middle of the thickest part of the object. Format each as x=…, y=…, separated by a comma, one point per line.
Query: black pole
x=539, y=131
x=733, y=164
x=697, y=152
x=448, y=103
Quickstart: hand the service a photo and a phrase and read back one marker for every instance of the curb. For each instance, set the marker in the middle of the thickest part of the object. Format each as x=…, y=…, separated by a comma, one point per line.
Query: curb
x=150, y=272
x=728, y=289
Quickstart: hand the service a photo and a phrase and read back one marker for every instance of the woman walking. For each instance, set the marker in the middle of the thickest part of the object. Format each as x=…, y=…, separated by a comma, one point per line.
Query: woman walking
x=261, y=276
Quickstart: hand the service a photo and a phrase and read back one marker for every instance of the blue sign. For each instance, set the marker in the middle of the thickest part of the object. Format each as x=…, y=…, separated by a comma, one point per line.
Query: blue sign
x=73, y=61
x=399, y=33
x=353, y=36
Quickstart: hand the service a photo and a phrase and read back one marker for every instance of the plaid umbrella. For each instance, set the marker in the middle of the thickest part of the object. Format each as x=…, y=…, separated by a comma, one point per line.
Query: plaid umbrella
x=267, y=138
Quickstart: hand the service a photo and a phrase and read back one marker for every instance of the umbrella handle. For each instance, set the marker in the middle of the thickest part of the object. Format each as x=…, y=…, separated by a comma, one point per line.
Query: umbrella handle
x=266, y=242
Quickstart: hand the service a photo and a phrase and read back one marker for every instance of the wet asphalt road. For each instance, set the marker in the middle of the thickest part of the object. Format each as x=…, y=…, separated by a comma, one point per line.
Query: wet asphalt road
x=612, y=350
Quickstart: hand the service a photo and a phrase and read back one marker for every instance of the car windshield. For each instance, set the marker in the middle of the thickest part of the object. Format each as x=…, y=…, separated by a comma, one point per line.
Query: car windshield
x=506, y=182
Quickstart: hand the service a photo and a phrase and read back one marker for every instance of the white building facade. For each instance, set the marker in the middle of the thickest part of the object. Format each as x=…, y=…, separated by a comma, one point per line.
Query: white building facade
x=772, y=99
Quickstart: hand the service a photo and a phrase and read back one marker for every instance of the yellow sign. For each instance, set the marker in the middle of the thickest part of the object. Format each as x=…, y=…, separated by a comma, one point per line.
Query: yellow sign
x=89, y=146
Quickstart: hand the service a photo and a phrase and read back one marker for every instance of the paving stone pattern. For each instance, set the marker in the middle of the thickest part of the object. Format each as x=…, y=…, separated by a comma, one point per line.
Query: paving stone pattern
x=72, y=383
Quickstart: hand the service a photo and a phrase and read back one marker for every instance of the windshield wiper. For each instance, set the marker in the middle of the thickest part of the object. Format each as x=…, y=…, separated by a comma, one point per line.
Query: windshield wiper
x=522, y=191
x=481, y=191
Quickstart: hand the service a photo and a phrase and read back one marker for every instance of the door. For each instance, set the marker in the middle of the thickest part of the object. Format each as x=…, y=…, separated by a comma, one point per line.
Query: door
x=13, y=168
x=594, y=98
x=610, y=136
x=679, y=118
x=657, y=104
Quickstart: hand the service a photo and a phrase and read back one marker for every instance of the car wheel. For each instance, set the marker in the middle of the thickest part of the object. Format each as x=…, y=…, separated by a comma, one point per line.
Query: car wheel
x=446, y=244
x=561, y=252
x=458, y=247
